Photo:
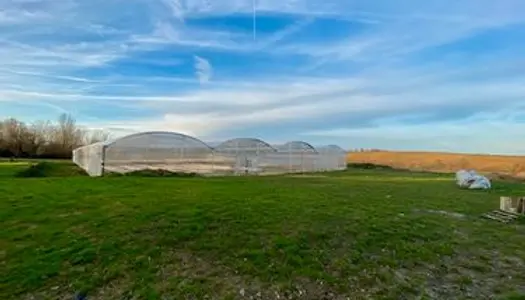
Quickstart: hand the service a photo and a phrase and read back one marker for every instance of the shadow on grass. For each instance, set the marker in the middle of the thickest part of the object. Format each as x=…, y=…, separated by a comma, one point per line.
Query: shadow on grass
x=370, y=166
x=68, y=169
x=153, y=173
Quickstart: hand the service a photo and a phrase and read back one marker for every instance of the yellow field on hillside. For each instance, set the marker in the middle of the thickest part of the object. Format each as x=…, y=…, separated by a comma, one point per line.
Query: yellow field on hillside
x=443, y=162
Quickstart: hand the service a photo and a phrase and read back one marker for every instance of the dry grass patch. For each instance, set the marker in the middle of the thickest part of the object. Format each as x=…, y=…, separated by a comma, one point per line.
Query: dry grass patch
x=443, y=162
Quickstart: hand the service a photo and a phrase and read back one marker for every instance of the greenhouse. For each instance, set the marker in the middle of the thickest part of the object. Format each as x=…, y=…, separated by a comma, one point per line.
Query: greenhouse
x=176, y=152
x=298, y=157
x=243, y=155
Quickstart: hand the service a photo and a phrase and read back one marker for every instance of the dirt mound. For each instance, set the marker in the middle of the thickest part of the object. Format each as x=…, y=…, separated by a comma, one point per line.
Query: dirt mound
x=51, y=169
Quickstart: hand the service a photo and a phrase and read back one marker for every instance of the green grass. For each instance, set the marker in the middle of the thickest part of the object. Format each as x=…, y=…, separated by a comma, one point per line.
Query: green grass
x=359, y=234
x=38, y=168
x=51, y=169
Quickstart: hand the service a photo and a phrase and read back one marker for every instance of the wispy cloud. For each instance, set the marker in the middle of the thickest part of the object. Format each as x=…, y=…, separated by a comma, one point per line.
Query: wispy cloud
x=175, y=6
x=284, y=33
x=392, y=74
x=203, y=69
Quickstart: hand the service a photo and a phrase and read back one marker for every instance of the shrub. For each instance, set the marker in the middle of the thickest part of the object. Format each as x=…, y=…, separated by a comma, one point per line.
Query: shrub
x=51, y=169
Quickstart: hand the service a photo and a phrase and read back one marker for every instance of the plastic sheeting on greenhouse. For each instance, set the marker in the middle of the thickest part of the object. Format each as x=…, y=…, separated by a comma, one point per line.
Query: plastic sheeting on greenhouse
x=178, y=152
x=472, y=180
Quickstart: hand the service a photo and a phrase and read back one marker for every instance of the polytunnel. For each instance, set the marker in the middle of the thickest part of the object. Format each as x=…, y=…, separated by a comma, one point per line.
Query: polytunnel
x=243, y=155
x=172, y=151
x=333, y=158
x=177, y=152
x=90, y=158
x=296, y=146
x=244, y=145
x=298, y=156
x=331, y=149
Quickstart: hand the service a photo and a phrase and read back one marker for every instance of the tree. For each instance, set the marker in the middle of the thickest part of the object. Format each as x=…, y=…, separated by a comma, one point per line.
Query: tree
x=45, y=139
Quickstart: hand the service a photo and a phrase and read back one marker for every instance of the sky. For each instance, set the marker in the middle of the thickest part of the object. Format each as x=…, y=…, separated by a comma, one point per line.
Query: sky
x=445, y=75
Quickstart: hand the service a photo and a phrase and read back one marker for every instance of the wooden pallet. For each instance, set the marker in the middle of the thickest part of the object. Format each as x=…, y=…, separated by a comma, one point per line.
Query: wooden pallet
x=502, y=216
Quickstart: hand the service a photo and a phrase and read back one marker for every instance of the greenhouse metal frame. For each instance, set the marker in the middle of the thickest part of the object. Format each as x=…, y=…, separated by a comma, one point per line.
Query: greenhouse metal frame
x=177, y=152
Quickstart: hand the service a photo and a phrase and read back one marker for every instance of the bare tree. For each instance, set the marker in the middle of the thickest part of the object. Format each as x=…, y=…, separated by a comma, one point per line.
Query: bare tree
x=67, y=132
x=13, y=133
x=95, y=136
x=39, y=134
x=45, y=139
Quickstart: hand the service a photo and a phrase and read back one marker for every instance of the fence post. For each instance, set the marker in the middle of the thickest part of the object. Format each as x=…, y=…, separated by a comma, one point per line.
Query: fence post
x=103, y=160
x=289, y=158
x=302, y=161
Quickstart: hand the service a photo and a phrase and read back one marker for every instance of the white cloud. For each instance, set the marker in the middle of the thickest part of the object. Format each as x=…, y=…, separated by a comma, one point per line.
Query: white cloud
x=305, y=101
x=176, y=8
x=233, y=105
x=410, y=26
x=19, y=16
x=203, y=69
x=497, y=137
x=284, y=33
x=167, y=33
x=70, y=55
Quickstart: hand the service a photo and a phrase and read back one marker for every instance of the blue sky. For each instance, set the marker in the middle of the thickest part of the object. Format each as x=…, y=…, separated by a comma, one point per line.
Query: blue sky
x=444, y=75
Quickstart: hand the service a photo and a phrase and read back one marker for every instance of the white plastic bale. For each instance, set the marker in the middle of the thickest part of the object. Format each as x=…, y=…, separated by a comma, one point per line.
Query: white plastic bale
x=471, y=180
x=480, y=182
x=463, y=178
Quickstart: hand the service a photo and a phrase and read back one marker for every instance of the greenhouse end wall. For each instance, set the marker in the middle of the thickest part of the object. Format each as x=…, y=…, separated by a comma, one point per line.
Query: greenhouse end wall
x=90, y=158
x=176, y=152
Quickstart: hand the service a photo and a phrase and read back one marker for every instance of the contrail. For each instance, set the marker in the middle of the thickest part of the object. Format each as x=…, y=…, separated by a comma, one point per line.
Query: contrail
x=254, y=20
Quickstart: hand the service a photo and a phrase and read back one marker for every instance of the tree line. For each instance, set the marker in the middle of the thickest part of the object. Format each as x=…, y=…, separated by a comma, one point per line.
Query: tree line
x=45, y=139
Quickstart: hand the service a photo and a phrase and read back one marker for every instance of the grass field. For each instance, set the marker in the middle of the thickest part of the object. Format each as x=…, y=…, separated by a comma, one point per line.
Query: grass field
x=444, y=162
x=357, y=234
